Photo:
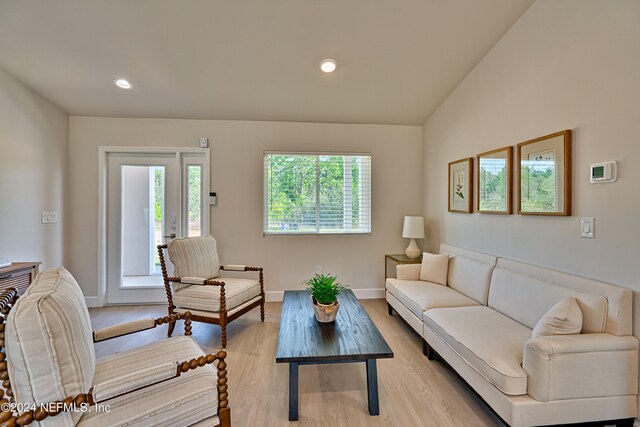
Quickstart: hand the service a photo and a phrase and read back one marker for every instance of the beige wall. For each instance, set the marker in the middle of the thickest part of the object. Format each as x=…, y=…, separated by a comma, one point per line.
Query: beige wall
x=571, y=64
x=33, y=174
x=236, y=175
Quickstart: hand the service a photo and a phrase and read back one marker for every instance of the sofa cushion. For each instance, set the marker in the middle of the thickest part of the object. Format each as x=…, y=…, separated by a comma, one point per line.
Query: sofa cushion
x=434, y=268
x=419, y=296
x=207, y=298
x=49, y=345
x=608, y=304
x=564, y=318
x=469, y=272
x=180, y=401
x=488, y=341
x=524, y=293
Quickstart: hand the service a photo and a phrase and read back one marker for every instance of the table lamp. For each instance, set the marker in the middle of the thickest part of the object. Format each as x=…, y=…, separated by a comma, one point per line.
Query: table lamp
x=413, y=229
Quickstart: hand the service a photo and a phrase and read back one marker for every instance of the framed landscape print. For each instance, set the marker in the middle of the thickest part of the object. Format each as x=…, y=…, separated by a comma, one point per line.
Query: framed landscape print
x=544, y=175
x=461, y=186
x=494, y=178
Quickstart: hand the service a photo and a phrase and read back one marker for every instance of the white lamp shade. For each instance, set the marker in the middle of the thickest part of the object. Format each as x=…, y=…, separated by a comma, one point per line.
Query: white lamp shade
x=413, y=227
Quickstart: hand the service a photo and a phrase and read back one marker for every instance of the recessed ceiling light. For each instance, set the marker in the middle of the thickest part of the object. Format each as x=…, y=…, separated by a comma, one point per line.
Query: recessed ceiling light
x=328, y=65
x=123, y=83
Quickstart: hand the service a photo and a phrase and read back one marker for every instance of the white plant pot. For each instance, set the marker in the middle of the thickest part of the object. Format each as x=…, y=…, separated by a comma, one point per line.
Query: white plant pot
x=325, y=313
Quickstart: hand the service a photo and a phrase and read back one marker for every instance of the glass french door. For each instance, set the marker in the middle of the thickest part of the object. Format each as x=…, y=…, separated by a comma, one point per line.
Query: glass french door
x=151, y=198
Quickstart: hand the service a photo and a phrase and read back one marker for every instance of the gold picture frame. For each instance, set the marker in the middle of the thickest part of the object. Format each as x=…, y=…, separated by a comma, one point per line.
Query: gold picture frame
x=544, y=175
x=494, y=180
x=461, y=186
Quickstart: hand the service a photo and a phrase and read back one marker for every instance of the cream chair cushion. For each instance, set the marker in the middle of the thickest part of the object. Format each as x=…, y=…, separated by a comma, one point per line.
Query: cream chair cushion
x=194, y=257
x=434, y=268
x=180, y=401
x=564, y=318
x=207, y=298
x=49, y=345
x=488, y=341
x=419, y=296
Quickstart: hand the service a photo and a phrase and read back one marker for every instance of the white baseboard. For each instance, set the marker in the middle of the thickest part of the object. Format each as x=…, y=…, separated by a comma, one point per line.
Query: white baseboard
x=277, y=296
x=92, y=302
x=372, y=293
x=274, y=296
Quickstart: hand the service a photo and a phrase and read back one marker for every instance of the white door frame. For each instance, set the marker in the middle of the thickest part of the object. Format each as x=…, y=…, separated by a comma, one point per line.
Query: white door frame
x=103, y=154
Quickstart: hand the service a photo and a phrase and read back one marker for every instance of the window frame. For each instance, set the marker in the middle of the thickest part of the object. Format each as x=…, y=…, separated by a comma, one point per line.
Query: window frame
x=265, y=184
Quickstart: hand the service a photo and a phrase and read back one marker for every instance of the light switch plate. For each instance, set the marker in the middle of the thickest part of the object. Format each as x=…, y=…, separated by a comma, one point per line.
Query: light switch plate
x=587, y=227
x=204, y=142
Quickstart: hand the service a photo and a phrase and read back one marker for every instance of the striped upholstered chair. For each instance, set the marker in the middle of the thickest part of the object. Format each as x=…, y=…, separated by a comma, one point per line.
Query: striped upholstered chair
x=197, y=286
x=49, y=369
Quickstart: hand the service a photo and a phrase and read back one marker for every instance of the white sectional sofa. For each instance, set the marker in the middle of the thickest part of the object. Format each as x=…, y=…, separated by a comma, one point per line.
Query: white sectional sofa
x=481, y=324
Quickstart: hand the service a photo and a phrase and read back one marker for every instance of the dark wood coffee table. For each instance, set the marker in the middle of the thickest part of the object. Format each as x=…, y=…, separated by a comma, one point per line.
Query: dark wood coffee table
x=353, y=337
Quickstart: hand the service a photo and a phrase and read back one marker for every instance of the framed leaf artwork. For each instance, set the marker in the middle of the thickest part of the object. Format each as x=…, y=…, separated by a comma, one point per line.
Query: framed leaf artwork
x=461, y=186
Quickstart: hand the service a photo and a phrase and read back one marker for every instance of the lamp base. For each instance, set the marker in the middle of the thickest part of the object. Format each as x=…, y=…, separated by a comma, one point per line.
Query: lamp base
x=413, y=251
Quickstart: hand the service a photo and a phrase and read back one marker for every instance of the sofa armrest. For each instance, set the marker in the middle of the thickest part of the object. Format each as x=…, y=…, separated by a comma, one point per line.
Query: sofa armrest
x=408, y=271
x=581, y=366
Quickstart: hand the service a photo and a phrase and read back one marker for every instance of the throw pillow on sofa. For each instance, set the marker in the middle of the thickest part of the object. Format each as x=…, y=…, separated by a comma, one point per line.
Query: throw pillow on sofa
x=564, y=318
x=434, y=268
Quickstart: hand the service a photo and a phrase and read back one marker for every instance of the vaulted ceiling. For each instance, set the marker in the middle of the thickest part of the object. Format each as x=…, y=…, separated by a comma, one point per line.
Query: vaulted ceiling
x=251, y=59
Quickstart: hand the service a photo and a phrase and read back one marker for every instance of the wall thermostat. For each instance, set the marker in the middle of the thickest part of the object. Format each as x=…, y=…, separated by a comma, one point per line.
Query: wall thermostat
x=204, y=142
x=604, y=172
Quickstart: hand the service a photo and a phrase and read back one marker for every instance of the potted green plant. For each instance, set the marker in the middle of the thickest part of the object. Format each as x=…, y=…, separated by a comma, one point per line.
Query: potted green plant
x=324, y=290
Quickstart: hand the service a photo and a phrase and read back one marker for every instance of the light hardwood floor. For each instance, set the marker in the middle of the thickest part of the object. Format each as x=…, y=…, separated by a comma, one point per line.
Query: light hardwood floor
x=413, y=390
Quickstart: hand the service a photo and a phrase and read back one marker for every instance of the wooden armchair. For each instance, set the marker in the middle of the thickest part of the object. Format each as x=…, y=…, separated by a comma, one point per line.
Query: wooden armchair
x=196, y=285
x=46, y=348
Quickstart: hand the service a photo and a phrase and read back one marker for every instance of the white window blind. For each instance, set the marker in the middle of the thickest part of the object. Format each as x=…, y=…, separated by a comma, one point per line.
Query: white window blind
x=317, y=193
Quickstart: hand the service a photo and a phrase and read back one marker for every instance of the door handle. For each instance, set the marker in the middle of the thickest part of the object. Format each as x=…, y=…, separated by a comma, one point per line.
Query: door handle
x=171, y=236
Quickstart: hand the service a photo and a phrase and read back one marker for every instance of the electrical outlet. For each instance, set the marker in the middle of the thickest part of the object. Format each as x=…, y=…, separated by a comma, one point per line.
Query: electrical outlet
x=49, y=217
x=318, y=269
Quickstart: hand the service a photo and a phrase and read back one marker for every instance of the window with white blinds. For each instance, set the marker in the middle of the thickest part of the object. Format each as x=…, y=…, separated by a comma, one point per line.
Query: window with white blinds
x=317, y=193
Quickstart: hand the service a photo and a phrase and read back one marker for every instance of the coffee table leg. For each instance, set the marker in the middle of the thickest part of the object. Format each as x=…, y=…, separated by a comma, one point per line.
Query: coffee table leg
x=372, y=387
x=293, y=391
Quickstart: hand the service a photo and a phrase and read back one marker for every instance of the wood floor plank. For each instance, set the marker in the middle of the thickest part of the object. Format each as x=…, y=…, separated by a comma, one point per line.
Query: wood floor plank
x=413, y=390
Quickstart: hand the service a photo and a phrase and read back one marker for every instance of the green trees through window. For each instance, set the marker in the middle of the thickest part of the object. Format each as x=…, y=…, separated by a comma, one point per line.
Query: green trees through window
x=493, y=186
x=194, y=202
x=317, y=193
x=539, y=186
